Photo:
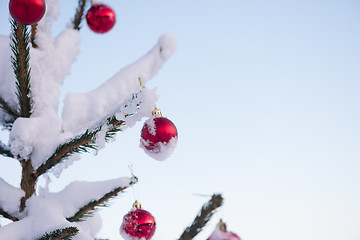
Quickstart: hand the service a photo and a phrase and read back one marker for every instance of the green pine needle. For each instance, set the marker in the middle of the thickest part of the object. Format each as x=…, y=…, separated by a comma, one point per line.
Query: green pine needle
x=20, y=63
x=79, y=13
x=60, y=234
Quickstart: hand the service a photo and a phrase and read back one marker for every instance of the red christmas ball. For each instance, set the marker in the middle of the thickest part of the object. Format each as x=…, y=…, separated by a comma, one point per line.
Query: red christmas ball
x=156, y=132
x=100, y=18
x=138, y=224
x=27, y=11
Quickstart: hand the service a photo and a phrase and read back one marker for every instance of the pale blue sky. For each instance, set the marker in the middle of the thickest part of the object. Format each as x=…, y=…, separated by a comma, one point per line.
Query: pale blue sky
x=265, y=96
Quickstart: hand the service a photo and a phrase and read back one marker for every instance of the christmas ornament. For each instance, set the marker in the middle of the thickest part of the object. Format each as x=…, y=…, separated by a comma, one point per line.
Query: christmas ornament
x=158, y=136
x=27, y=11
x=138, y=224
x=220, y=233
x=100, y=18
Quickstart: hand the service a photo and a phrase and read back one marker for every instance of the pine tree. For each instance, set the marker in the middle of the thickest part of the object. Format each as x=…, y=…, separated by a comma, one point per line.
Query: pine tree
x=42, y=141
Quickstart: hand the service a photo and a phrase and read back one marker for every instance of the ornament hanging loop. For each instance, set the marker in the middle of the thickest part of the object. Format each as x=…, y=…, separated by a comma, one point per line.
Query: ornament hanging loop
x=141, y=85
x=137, y=204
x=222, y=225
x=133, y=179
x=156, y=112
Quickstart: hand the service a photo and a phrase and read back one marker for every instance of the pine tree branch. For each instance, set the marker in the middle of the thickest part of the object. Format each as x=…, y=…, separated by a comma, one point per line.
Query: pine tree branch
x=80, y=144
x=8, y=109
x=64, y=234
x=86, y=210
x=5, y=151
x=20, y=63
x=79, y=13
x=84, y=142
x=33, y=33
x=202, y=218
x=8, y=216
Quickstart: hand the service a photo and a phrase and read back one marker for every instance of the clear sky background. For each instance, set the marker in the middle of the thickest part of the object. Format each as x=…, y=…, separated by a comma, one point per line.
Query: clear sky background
x=265, y=96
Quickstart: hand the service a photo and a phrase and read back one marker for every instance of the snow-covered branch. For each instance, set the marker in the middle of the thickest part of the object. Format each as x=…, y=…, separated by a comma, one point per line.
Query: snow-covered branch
x=7, y=215
x=9, y=200
x=8, y=99
x=89, y=207
x=94, y=138
x=81, y=143
x=5, y=106
x=81, y=110
x=64, y=233
x=79, y=198
x=5, y=150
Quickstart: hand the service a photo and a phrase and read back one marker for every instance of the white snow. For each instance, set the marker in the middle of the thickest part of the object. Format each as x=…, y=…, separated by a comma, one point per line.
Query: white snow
x=161, y=151
x=126, y=236
x=60, y=167
x=10, y=197
x=7, y=78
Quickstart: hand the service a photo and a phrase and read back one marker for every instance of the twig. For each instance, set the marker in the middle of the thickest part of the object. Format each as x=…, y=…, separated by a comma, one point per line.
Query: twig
x=5, y=151
x=8, y=109
x=8, y=216
x=33, y=33
x=79, y=14
x=202, y=218
x=81, y=143
x=85, y=210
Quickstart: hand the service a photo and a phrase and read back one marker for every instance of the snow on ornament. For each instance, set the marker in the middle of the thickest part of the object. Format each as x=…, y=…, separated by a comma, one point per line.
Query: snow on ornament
x=100, y=18
x=221, y=233
x=27, y=12
x=158, y=136
x=138, y=224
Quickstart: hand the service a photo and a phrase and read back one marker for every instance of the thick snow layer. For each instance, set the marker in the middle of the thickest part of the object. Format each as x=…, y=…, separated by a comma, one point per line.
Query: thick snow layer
x=82, y=109
x=10, y=197
x=49, y=211
x=77, y=194
x=7, y=78
x=29, y=133
x=51, y=62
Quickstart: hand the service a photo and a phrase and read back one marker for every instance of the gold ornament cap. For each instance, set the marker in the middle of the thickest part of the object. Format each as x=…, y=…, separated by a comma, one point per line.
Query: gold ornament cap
x=156, y=112
x=222, y=226
x=136, y=204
